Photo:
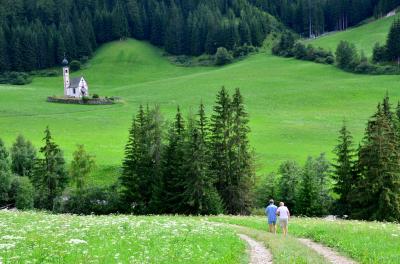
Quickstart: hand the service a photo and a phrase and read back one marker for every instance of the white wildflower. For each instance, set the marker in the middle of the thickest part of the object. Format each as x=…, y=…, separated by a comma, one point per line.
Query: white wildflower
x=7, y=246
x=75, y=241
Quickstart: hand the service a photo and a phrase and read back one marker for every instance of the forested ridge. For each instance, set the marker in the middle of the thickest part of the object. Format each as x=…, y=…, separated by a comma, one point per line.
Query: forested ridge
x=35, y=34
x=314, y=17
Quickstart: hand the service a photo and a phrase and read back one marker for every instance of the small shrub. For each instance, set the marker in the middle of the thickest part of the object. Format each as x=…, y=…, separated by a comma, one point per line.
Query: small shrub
x=244, y=50
x=299, y=51
x=91, y=200
x=75, y=65
x=379, y=53
x=365, y=67
x=95, y=96
x=84, y=59
x=85, y=99
x=15, y=78
x=285, y=45
x=222, y=56
x=346, y=56
x=22, y=193
x=330, y=59
x=49, y=73
x=320, y=60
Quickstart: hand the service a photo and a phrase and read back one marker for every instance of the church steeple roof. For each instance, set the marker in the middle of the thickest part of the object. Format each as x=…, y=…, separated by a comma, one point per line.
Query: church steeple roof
x=65, y=61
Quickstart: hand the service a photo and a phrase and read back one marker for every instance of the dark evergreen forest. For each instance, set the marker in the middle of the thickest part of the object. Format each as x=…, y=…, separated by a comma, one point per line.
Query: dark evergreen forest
x=35, y=34
x=314, y=17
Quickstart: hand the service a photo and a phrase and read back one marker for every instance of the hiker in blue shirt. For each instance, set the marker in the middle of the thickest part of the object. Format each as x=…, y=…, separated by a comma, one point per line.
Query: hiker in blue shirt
x=270, y=212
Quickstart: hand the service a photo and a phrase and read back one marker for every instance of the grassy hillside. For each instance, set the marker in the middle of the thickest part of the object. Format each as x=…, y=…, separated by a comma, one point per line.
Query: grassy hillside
x=296, y=107
x=364, y=37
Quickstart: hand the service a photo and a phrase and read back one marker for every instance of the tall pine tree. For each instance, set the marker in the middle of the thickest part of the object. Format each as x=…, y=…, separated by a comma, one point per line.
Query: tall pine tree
x=173, y=176
x=377, y=189
x=344, y=172
x=5, y=175
x=200, y=195
x=50, y=176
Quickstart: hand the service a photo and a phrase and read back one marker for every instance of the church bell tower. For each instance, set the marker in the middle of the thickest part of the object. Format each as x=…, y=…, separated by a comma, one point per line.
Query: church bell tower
x=66, y=75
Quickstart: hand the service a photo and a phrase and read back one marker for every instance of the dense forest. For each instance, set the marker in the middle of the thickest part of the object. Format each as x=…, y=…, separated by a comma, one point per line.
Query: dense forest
x=314, y=17
x=35, y=34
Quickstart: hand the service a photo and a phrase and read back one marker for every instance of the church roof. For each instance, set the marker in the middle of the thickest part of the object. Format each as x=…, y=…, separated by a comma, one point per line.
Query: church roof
x=74, y=83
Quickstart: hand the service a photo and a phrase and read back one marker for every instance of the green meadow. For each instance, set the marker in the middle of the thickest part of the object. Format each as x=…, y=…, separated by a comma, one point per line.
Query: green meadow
x=295, y=107
x=364, y=36
x=28, y=237
x=39, y=237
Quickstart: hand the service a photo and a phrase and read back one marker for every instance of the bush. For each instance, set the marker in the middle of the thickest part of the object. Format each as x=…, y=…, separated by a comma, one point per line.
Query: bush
x=379, y=53
x=95, y=96
x=22, y=193
x=330, y=59
x=346, y=56
x=222, y=56
x=299, y=51
x=85, y=99
x=48, y=73
x=365, y=67
x=15, y=78
x=91, y=200
x=285, y=45
x=75, y=65
x=242, y=51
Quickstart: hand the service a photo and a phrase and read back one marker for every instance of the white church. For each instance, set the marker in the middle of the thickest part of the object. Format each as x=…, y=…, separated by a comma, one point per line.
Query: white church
x=76, y=87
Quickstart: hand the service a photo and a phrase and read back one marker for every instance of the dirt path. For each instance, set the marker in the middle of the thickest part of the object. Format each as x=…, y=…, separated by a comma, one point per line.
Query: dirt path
x=331, y=255
x=258, y=253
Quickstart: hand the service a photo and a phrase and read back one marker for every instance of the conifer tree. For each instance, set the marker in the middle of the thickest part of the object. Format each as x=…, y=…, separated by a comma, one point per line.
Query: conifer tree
x=290, y=174
x=313, y=197
x=23, y=156
x=49, y=177
x=308, y=189
x=344, y=172
x=132, y=178
x=174, y=35
x=200, y=194
x=81, y=166
x=5, y=175
x=376, y=191
x=221, y=129
x=4, y=63
x=393, y=42
x=119, y=22
x=173, y=176
x=243, y=173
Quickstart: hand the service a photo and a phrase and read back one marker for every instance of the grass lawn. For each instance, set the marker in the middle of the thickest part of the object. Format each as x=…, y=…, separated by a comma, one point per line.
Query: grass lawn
x=295, y=107
x=364, y=37
x=28, y=237
x=366, y=242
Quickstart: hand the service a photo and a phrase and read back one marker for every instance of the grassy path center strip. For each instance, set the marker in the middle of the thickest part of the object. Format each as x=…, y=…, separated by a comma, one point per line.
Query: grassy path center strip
x=257, y=252
x=328, y=253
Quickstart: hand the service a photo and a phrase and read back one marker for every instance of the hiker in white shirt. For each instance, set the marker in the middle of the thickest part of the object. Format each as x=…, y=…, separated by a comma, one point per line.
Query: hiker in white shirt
x=284, y=215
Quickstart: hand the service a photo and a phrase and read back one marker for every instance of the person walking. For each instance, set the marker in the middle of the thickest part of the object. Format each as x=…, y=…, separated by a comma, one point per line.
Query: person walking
x=270, y=212
x=284, y=216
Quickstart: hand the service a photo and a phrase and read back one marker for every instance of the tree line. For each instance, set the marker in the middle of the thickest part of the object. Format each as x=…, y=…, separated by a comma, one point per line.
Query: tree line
x=200, y=165
x=203, y=166
x=363, y=182
x=35, y=34
x=311, y=18
x=385, y=58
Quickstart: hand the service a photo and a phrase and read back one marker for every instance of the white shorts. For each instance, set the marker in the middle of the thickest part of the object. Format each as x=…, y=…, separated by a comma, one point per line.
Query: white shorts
x=283, y=222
